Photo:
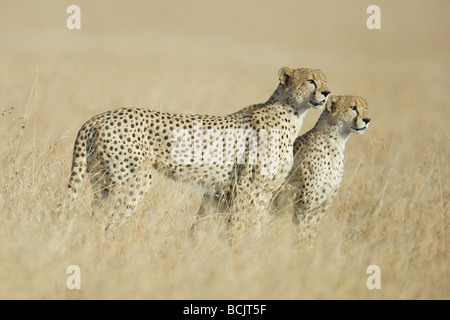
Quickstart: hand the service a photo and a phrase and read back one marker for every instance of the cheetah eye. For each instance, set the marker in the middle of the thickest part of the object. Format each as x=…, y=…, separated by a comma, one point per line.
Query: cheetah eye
x=353, y=108
x=312, y=82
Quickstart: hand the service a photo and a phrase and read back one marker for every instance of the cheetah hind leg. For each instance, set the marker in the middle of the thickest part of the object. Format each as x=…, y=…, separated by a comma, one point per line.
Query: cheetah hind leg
x=101, y=182
x=209, y=201
x=101, y=187
x=218, y=203
x=128, y=194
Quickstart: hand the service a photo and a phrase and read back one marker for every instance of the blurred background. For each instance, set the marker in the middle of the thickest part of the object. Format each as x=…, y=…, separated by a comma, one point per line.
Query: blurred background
x=216, y=57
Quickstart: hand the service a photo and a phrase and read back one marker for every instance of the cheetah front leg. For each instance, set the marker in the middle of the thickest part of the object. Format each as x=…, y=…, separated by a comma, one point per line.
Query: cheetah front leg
x=307, y=218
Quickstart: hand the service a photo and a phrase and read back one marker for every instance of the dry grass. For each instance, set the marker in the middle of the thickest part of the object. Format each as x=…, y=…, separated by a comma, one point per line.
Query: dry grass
x=394, y=202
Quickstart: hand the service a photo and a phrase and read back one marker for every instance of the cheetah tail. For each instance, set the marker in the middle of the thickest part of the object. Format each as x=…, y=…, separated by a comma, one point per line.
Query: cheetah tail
x=79, y=167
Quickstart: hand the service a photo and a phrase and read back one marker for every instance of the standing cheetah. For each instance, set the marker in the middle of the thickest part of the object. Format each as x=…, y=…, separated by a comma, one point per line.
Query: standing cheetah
x=319, y=158
x=119, y=149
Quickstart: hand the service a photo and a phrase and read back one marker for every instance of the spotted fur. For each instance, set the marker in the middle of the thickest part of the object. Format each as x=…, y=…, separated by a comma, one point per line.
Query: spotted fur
x=120, y=149
x=319, y=159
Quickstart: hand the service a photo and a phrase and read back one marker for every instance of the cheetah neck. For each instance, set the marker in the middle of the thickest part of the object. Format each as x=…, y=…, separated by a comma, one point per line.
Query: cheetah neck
x=276, y=97
x=338, y=134
x=297, y=114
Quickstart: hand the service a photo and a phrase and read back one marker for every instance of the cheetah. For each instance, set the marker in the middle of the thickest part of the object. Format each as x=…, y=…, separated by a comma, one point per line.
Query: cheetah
x=119, y=150
x=319, y=159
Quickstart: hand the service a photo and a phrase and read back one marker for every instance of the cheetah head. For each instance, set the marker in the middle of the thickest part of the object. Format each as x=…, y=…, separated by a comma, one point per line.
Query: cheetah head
x=350, y=112
x=303, y=88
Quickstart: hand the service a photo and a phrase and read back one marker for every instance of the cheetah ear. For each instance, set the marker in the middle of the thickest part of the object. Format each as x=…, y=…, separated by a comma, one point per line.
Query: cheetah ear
x=330, y=102
x=284, y=74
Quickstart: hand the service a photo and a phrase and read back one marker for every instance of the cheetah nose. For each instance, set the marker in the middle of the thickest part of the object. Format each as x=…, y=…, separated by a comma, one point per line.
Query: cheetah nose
x=366, y=120
x=325, y=93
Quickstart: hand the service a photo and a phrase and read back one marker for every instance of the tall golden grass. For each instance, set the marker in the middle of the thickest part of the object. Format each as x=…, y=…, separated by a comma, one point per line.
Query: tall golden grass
x=392, y=209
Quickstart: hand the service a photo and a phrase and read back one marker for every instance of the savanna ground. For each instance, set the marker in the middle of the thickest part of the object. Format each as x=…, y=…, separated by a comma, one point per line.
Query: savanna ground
x=194, y=56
